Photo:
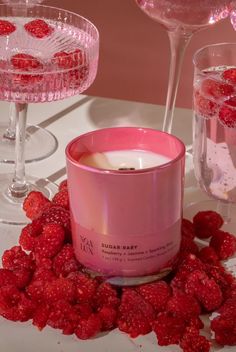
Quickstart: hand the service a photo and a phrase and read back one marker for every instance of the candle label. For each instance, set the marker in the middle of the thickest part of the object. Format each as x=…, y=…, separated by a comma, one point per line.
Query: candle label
x=128, y=255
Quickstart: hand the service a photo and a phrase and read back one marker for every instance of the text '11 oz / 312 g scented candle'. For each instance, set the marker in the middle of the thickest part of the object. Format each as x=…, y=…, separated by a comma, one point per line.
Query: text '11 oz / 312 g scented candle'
x=126, y=193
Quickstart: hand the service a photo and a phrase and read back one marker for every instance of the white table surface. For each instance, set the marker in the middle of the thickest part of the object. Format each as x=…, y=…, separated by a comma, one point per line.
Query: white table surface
x=67, y=119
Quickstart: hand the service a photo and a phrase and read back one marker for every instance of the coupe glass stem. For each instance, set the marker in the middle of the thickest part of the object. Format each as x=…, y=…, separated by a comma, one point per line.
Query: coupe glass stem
x=224, y=209
x=178, y=44
x=10, y=132
x=19, y=187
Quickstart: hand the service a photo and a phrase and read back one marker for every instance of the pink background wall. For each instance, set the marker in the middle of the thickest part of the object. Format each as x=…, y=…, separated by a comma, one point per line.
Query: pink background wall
x=134, y=51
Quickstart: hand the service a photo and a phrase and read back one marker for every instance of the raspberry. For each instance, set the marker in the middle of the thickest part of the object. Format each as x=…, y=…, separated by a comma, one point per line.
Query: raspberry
x=227, y=116
x=25, y=308
x=229, y=75
x=63, y=316
x=23, y=277
x=6, y=27
x=43, y=274
x=34, y=204
x=25, y=62
x=15, y=258
x=169, y=329
x=223, y=278
x=28, y=235
x=38, y=28
x=10, y=295
x=231, y=290
x=187, y=229
x=65, y=262
x=7, y=277
x=60, y=289
x=228, y=309
x=224, y=244
x=63, y=185
x=35, y=290
x=66, y=60
x=206, y=223
x=42, y=262
x=204, y=106
x=41, y=316
x=191, y=263
x=50, y=242
x=208, y=255
x=204, y=289
x=86, y=286
x=105, y=295
x=195, y=323
x=135, y=315
x=188, y=265
x=157, y=294
x=83, y=309
x=57, y=215
x=224, y=324
x=216, y=89
x=61, y=199
x=108, y=317
x=188, y=246
x=183, y=306
x=193, y=342
x=14, y=305
x=88, y=327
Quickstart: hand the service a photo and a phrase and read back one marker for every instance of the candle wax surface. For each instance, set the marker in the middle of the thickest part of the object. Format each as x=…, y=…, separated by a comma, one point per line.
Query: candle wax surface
x=123, y=159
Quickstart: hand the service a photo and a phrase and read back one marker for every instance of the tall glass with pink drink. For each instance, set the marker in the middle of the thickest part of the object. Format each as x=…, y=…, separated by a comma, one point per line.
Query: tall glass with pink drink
x=214, y=140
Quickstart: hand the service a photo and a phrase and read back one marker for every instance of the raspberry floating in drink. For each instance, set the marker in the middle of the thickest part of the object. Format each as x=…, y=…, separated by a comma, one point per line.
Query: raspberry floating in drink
x=69, y=59
x=6, y=27
x=25, y=62
x=230, y=75
x=38, y=28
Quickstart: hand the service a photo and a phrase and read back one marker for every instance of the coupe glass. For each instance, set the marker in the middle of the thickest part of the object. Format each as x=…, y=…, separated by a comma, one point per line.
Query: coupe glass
x=182, y=19
x=214, y=125
x=34, y=134
x=50, y=54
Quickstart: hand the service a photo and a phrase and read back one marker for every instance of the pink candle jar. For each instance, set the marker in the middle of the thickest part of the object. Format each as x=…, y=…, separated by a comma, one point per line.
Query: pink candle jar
x=126, y=194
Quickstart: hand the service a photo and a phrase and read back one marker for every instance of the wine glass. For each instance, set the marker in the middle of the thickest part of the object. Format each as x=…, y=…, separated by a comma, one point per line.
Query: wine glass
x=214, y=126
x=182, y=19
x=48, y=54
x=34, y=134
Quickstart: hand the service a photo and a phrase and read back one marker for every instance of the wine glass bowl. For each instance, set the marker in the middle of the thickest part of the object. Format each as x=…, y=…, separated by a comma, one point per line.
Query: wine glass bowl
x=182, y=19
x=189, y=16
x=46, y=54
x=214, y=126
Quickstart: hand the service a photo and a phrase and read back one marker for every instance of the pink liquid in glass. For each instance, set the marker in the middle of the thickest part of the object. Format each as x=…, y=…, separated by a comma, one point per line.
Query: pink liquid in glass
x=49, y=81
x=189, y=15
x=214, y=140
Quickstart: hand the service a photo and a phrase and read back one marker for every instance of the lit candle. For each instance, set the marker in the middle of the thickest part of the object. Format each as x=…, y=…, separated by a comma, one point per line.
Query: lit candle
x=126, y=192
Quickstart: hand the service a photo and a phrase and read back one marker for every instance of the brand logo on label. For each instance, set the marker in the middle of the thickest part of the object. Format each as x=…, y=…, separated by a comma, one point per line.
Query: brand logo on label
x=86, y=245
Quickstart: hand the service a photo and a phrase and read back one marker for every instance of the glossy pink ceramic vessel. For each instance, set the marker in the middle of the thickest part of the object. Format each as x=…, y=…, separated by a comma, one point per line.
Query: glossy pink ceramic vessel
x=126, y=225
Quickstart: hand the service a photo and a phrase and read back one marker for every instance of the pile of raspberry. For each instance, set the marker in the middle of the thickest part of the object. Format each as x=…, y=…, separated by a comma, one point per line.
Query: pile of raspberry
x=41, y=280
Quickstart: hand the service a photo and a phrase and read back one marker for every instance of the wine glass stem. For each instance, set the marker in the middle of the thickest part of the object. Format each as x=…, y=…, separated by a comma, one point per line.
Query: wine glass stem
x=224, y=209
x=10, y=132
x=19, y=187
x=178, y=44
